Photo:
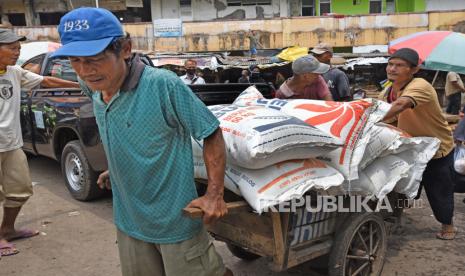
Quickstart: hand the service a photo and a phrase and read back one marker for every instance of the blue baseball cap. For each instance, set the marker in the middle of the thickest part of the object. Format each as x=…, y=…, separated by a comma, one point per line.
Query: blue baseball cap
x=87, y=32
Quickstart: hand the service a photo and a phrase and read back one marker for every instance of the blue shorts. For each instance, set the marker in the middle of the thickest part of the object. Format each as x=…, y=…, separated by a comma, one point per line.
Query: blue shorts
x=253, y=51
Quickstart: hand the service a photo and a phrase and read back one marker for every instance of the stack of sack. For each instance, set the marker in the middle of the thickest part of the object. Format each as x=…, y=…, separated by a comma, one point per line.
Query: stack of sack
x=277, y=150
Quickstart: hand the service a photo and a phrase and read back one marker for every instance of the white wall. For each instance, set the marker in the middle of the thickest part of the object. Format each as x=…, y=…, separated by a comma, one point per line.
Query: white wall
x=444, y=5
x=203, y=10
x=170, y=9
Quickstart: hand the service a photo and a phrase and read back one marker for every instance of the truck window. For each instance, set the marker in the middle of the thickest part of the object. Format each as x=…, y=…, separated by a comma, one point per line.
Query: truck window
x=34, y=64
x=60, y=68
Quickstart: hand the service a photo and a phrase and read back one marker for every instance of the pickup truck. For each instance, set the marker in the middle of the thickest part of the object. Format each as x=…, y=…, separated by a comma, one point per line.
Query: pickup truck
x=60, y=124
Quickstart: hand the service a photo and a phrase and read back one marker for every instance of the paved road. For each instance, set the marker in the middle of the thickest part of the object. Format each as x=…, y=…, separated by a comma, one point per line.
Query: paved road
x=78, y=238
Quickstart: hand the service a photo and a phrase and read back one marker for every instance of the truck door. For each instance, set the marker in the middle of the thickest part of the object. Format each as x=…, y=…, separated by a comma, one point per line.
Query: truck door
x=34, y=65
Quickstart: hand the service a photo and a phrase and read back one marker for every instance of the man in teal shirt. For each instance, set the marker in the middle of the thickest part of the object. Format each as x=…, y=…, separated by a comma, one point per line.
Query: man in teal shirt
x=146, y=118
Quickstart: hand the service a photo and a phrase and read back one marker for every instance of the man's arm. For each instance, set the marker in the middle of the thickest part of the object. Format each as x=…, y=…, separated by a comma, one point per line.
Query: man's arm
x=398, y=106
x=52, y=82
x=212, y=203
x=457, y=86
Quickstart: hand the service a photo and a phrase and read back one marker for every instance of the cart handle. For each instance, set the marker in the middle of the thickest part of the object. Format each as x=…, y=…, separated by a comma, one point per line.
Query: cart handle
x=233, y=208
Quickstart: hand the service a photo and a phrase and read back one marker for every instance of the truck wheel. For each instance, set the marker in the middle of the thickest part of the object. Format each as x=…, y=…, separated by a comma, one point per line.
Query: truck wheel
x=242, y=253
x=360, y=248
x=80, y=179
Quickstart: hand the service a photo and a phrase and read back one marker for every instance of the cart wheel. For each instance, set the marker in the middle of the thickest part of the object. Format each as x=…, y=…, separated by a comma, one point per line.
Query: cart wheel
x=242, y=253
x=360, y=249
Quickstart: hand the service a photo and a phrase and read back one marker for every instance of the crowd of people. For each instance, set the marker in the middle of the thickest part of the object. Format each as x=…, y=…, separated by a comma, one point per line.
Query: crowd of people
x=313, y=77
x=152, y=179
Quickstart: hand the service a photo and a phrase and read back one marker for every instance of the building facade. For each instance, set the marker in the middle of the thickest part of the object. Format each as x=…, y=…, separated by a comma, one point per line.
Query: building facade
x=205, y=10
x=213, y=25
x=277, y=33
x=48, y=12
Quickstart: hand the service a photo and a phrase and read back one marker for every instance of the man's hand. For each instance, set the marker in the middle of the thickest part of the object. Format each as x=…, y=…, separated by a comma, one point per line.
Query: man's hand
x=103, y=180
x=213, y=207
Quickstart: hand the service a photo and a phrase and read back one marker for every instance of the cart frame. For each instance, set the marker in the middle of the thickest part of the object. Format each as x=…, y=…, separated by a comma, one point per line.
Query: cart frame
x=270, y=234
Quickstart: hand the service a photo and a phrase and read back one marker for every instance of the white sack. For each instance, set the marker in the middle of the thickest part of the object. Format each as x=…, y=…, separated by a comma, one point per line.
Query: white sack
x=381, y=137
x=278, y=183
x=348, y=122
x=417, y=151
x=399, y=168
x=257, y=136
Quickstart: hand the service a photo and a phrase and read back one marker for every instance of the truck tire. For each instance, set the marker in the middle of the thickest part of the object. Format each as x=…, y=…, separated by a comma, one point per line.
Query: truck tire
x=80, y=179
x=360, y=246
x=242, y=253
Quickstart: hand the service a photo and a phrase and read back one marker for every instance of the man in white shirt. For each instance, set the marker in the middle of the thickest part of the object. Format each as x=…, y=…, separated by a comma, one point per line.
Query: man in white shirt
x=191, y=76
x=454, y=89
x=15, y=182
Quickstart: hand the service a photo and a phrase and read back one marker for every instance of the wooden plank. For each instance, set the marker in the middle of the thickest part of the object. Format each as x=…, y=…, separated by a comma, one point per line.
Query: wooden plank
x=244, y=237
x=258, y=224
x=303, y=255
x=279, y=242
x=233, y=208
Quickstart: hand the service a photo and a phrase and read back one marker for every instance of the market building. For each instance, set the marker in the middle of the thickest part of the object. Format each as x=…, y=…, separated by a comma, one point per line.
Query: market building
x=222, y=25
x=48, y=12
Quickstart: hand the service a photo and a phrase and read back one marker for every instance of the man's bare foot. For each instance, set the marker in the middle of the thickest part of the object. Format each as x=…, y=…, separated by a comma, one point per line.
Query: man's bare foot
x=448, y=232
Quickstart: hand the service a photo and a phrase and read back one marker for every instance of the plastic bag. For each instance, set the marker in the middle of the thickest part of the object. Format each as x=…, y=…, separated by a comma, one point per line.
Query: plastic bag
x=459, y=159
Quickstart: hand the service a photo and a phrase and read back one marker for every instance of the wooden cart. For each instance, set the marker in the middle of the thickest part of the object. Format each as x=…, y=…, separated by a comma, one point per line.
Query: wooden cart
x=356, y=242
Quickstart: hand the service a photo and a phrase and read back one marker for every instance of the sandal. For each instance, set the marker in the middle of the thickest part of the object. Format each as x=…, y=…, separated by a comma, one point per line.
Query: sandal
x=22, y=234
x=7, y=249
x=447, y=235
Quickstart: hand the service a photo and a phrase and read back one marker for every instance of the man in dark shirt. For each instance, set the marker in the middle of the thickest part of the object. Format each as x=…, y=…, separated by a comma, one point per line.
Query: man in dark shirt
x=338, y=82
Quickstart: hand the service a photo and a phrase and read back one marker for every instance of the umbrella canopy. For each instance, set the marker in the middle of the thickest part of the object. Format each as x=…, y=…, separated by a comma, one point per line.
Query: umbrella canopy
x=32, y=49
x=438, y=50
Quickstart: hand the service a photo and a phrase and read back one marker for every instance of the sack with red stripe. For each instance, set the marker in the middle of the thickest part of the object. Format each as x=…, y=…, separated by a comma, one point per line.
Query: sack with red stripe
x=256, y=136
x=348, y=122
x=277, y=183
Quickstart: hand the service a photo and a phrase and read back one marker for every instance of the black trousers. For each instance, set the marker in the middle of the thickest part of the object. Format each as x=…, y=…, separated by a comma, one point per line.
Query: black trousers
x=439, y=185
x=453, y=103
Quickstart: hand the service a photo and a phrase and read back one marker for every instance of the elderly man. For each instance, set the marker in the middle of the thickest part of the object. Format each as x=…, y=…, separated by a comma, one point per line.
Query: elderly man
x=191, y=76
x=337, y=81
x=306, y=82
x=15, y=182
x=415, y=103
x=146, y=117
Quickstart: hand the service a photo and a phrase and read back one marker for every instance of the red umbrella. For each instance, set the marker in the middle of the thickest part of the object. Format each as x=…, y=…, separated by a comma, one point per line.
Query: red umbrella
x=438, y=50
